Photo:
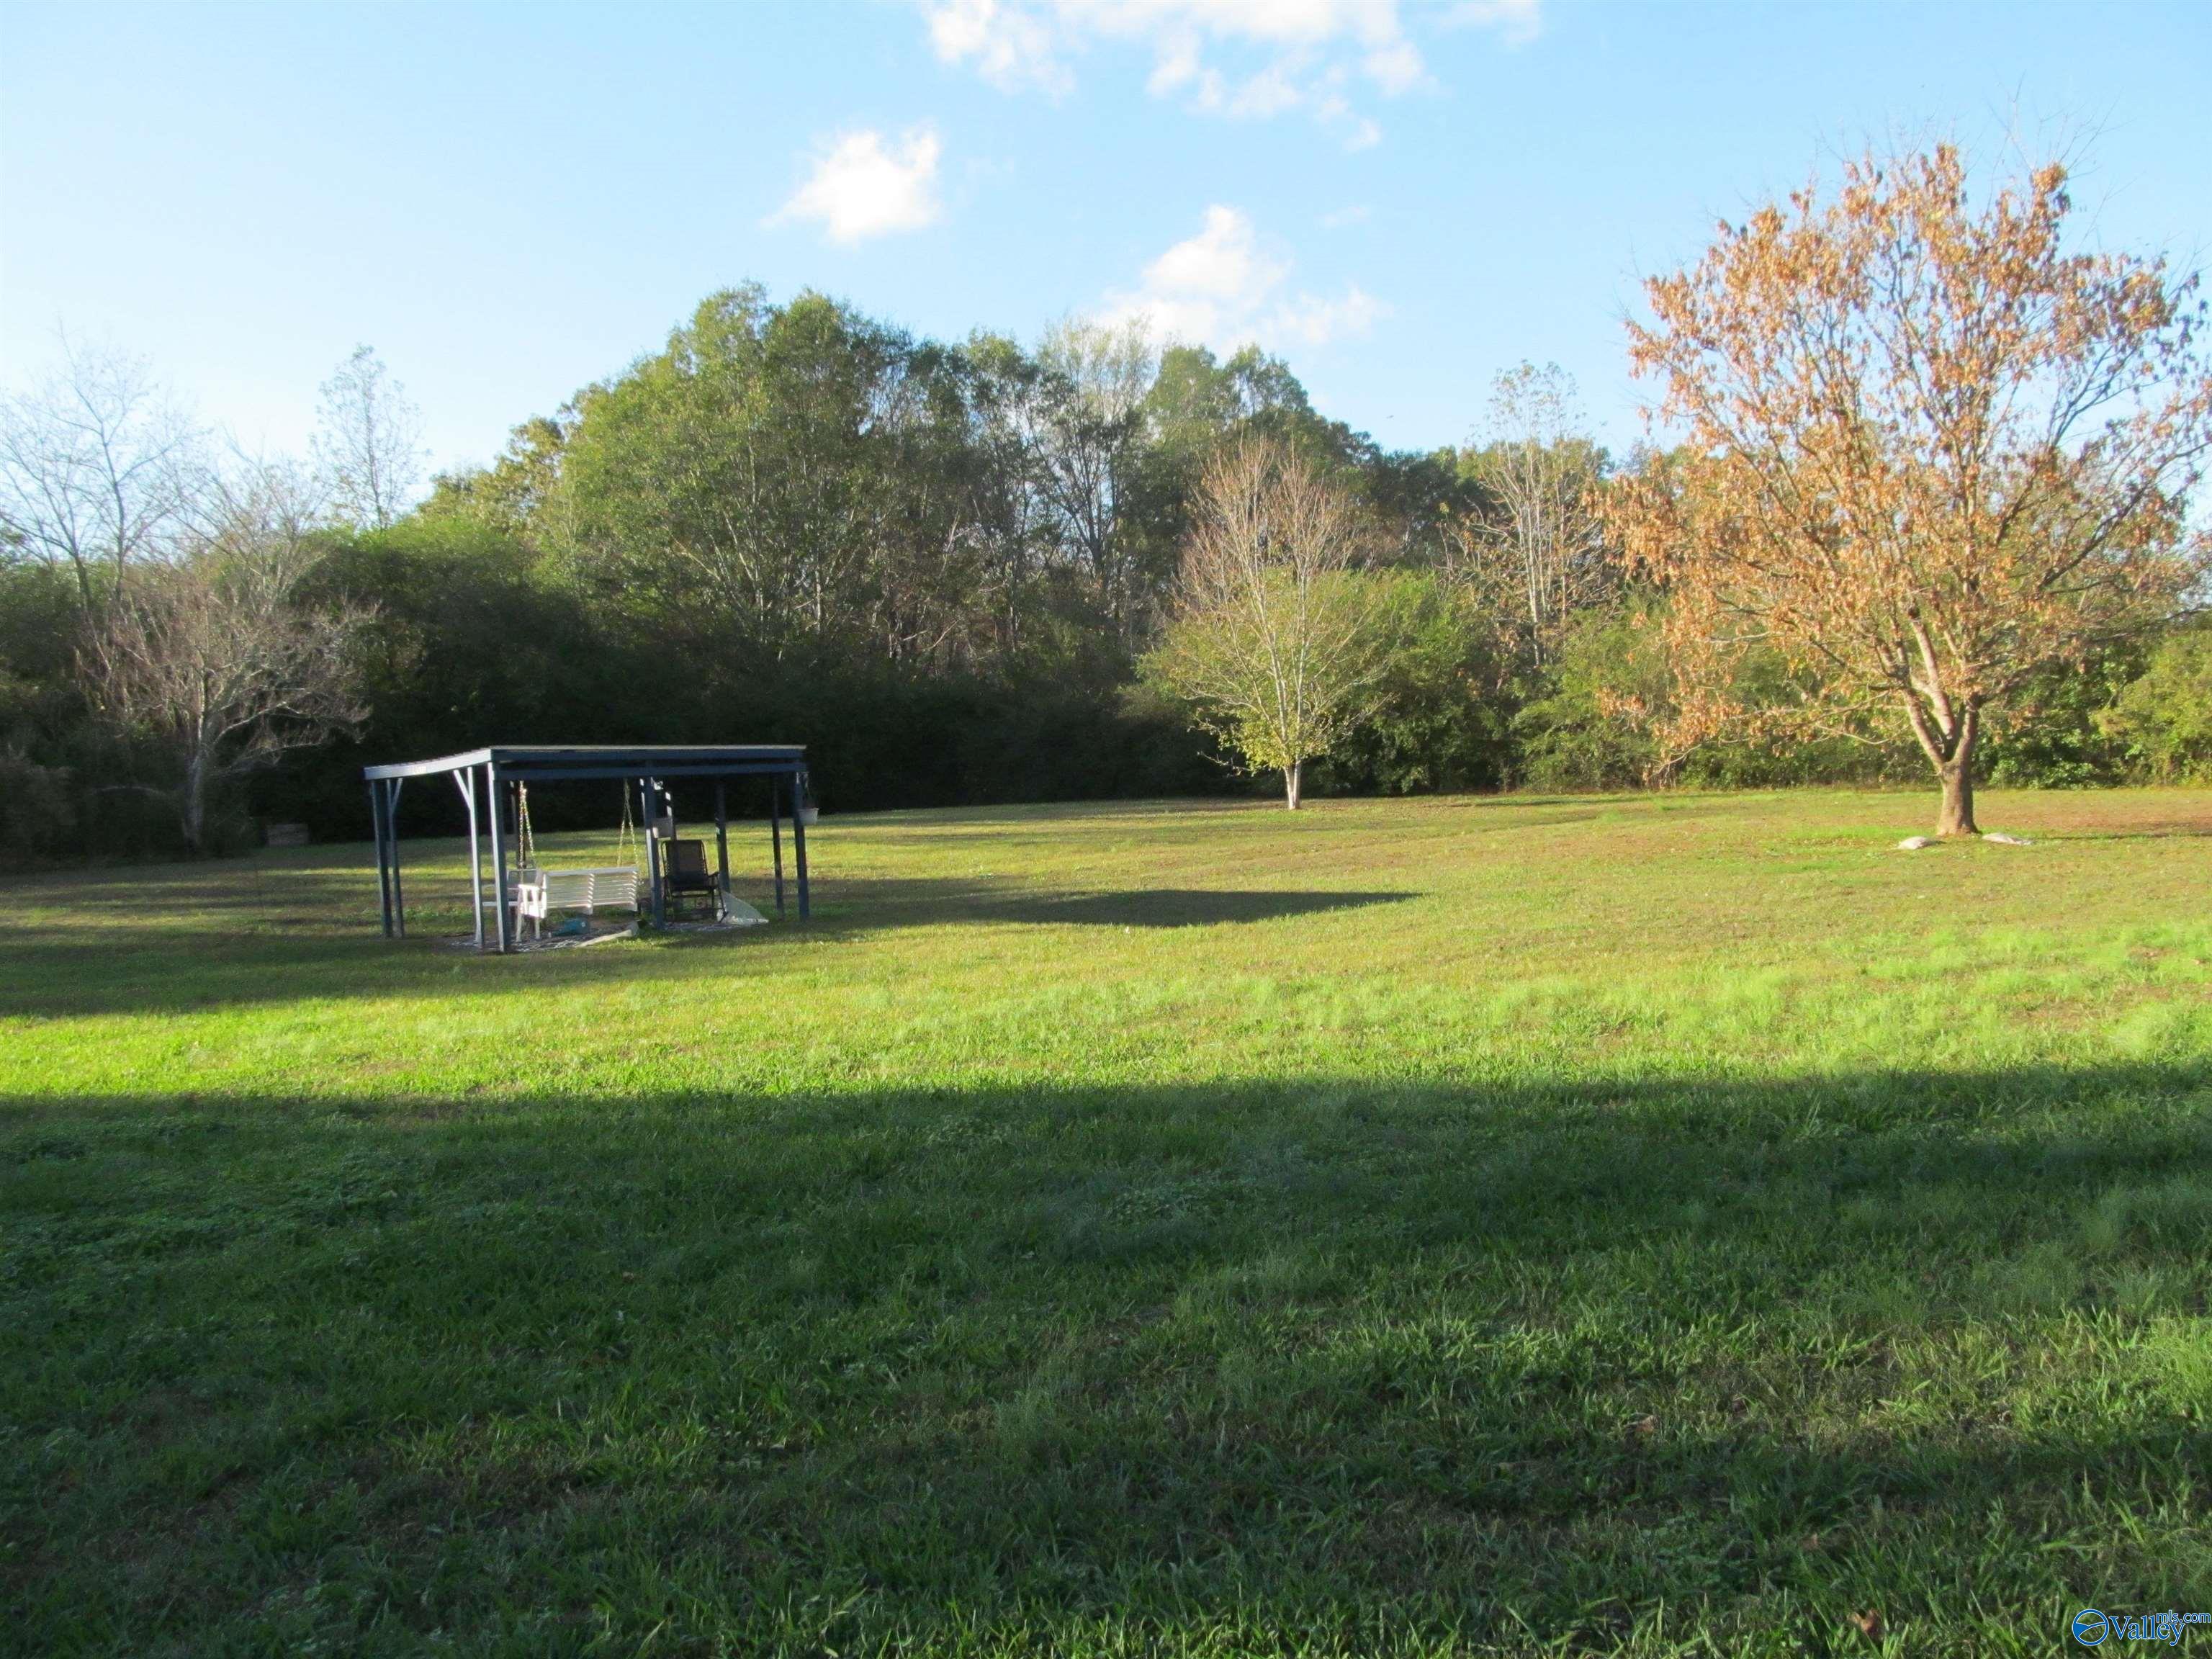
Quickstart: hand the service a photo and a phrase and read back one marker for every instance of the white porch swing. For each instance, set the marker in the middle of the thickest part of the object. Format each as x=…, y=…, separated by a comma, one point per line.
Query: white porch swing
x=539, y=893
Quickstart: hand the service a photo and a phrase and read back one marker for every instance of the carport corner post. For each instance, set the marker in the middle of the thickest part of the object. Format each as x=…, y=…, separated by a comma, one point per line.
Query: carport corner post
x=500, y=927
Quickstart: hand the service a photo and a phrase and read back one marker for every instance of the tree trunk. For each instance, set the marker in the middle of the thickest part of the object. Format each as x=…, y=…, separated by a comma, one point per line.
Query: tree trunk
x=1957, y=817
x=195, y=803
x=1950, y=743
x=1290, y=785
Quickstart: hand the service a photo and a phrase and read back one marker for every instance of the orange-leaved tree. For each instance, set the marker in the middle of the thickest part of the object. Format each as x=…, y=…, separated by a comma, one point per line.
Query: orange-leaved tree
x=1927, y=448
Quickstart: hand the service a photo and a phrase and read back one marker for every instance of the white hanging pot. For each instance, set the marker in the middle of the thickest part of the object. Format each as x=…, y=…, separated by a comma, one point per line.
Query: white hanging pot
x=809, y=812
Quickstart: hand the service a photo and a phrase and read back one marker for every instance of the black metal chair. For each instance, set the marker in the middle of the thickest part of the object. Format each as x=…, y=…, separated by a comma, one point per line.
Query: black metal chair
x=684, y=875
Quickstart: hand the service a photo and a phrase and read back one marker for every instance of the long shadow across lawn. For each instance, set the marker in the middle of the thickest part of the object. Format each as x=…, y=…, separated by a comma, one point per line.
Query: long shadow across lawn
x=1309, y=1365
x=866, y=906
x=100, y=965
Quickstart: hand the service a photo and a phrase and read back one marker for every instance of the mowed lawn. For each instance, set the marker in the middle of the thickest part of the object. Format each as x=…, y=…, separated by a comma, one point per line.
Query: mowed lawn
x=1653, y=1225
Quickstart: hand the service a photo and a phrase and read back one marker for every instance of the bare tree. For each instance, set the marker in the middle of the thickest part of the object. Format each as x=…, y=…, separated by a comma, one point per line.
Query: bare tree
x=1548, y=549
x=1276, y=639
x=218, y=658
x=97, y=468
x=370, y=442
x=1013, y=521
x=1093, y=440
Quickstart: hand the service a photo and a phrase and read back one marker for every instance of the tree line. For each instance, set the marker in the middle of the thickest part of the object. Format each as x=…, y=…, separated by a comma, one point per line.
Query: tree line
x=1927, y=504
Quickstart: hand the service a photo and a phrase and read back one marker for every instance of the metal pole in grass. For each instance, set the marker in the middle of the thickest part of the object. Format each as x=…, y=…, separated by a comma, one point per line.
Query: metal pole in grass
x=652, y=845
x=383, y=870
x=722, y=847
x=392, y=823
x=775, y=834
x=465, y=782
x=498, y=858
x=799, y=792
x=660, y=886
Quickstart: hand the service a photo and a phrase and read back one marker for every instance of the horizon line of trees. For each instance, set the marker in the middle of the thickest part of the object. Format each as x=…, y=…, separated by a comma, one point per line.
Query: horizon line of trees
x=961, y=571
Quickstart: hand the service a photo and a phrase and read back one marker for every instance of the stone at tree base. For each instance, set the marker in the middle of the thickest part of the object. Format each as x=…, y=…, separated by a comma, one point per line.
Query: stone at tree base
x=1914, y=843
x=2003, y=840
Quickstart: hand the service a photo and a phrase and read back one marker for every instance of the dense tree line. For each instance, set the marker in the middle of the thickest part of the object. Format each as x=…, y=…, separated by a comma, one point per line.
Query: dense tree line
x=942, y=566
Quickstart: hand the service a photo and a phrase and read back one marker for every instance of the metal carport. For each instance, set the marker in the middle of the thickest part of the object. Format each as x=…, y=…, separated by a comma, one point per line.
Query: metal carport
x=491, y=778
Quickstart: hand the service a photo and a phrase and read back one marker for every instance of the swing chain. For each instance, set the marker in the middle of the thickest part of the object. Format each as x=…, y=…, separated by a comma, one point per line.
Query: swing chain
x=526, y=844
x=626, y=838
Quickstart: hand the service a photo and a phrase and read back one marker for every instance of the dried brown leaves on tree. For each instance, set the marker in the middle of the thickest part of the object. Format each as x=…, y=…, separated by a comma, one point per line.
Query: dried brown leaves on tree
x=1931, y=449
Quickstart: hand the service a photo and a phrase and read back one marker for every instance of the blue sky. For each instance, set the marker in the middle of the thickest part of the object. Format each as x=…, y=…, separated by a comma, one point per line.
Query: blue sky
x=509, y=201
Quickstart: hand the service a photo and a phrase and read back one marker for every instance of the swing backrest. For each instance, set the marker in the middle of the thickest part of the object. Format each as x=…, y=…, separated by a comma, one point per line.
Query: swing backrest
x=613, y=889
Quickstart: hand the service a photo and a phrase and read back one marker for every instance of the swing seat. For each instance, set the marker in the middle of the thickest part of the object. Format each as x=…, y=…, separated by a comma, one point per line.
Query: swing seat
x=541, y=892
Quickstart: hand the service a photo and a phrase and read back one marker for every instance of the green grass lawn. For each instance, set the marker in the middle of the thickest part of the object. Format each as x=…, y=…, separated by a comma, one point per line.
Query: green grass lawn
x=1655, y=1226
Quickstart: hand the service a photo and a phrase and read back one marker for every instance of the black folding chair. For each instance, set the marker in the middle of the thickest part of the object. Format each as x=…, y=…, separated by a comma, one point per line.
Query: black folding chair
x=684, y=875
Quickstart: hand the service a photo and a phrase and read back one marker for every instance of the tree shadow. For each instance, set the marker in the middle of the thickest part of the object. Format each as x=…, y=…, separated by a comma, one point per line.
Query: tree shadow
x=301, y=935
x=1312, y=1362
x=2182, y=830
x=864, y=906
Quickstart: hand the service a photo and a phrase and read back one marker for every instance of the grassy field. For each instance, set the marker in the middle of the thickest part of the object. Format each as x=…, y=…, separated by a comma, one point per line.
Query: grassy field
x=1517, y=1226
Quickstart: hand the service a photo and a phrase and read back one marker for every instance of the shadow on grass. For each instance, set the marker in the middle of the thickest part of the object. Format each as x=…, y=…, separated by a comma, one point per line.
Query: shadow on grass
x=307, y=937
x=1313, y=1364
x=2179, y=831
x=859, y=906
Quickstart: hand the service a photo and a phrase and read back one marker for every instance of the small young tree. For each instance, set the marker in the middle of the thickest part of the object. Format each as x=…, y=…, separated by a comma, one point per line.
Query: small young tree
x=1929, y=451
x=215, y=659
x=370, y=442
x=1275, y=638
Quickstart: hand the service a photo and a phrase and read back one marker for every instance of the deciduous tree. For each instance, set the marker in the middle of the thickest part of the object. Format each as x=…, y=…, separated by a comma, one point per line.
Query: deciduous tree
x=1931, y=449
x=1545, y=546
x=1276, y=638
x=1093, y=441
x=214, y=657
x=98, y=470
x=370, y=442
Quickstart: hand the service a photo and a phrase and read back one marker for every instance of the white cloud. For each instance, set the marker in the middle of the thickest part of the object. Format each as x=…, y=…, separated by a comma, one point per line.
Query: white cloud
x=1312, y=320
x=1176, y=64
x=1223, y=289
x=1011, y=46
x=1517, y=21
x=862, y=187
x=1395, y=67
x=1238, y=59
x=1357, y=214
x=1222, y=262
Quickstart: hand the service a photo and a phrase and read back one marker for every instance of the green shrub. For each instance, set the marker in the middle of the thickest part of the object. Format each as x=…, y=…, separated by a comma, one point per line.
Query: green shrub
x=2162, y=720
x=1573, y=737
x=1446, y=719
x=37, y=818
